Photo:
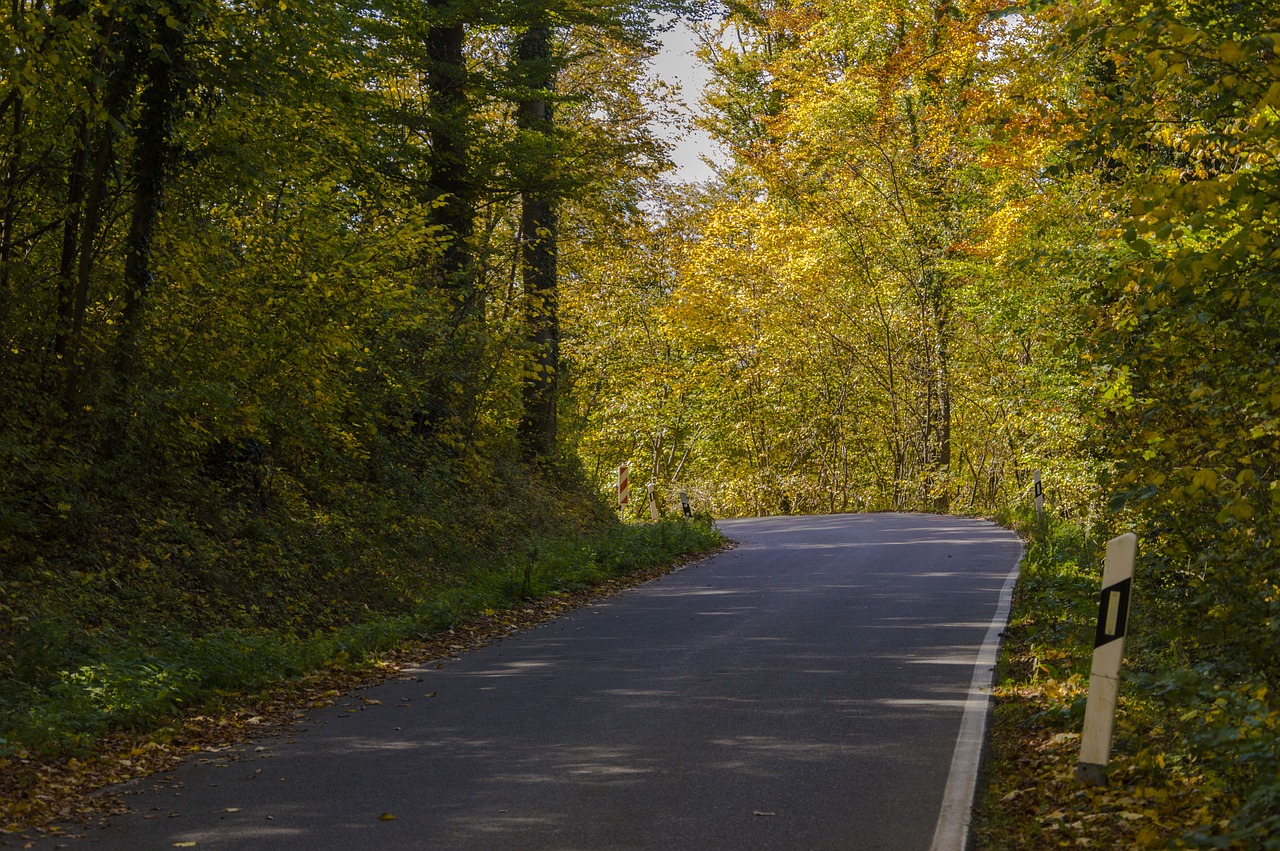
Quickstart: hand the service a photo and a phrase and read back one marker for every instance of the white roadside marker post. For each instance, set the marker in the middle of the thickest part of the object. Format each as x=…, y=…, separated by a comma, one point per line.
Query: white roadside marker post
x=653, y=504
x=684, y=504
x=1108, y=650
x=1039, y=497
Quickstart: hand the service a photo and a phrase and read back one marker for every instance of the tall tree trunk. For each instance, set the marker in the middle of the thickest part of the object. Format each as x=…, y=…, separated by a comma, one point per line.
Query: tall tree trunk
x=79, y=302
x=160, y=102
x=76, y=264
x=77, y=174
x=9, y=213
x=13, y=176
x=537, y=429
x=942, y=358
x=70, y=243
x=538, y=230
x=452, y=187
x=936, y=358
x=10, y=209
x=451, y=386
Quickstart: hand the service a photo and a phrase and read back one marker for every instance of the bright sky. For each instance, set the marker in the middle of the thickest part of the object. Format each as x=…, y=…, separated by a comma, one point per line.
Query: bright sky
x=677, y=65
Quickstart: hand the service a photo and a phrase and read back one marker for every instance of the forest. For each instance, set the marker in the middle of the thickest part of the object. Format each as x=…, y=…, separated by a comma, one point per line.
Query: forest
x=325, y=326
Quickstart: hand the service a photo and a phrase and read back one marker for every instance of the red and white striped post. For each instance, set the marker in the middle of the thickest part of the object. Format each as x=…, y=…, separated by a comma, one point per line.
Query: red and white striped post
x=624, y=486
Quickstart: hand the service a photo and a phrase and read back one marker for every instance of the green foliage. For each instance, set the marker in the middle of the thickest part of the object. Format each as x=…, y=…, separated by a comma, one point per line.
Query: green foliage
x=1056, y=596
x=1163, y=789
x=60, y=695
x=265, y=333
x=959, y=245
x=261, y=385
x=869, y=313
x=1183, y=128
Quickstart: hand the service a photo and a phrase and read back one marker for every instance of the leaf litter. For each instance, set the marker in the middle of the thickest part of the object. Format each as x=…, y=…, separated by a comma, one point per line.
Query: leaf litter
x=41, y=794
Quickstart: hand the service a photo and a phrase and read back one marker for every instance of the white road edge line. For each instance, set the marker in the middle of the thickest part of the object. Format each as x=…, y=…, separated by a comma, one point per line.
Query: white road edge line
x=952, y=832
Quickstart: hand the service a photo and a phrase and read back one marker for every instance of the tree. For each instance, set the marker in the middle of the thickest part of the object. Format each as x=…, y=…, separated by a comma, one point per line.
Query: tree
x=535, y=75
x=162, y=101
x=1181, y=132
x=875, y=181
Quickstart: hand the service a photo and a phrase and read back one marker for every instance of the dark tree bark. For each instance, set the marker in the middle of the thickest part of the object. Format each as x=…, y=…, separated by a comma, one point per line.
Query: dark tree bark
x=942, y=379
x=86, y=199
x=160, y=102
x=71, y=242
x=538, y=231
x=77, y=177
x=452, y=188
x=9, y=211
x=450, y=363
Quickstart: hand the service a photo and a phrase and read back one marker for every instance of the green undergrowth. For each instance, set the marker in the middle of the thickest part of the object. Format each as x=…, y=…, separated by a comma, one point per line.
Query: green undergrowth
x=137, y=679
x=182, y=601
x=1176, y=777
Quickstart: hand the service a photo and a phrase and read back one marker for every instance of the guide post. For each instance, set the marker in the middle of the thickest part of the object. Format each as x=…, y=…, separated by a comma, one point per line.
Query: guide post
x=1108, y=651
x=1039, y=497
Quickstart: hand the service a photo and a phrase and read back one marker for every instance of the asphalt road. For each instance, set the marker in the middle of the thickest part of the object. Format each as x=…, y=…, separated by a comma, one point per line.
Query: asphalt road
x=802, y=691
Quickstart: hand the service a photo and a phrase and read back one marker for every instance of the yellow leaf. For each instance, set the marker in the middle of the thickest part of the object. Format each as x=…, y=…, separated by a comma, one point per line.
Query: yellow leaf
x=1230, y=52
x=386, y=817
x=1148, y=837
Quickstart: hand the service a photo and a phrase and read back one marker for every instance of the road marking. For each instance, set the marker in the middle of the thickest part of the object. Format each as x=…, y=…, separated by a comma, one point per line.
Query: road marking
x=952, y=832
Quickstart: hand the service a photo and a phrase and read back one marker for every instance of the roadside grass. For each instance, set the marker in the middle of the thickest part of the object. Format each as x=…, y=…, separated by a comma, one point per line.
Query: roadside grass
x=1160, y=792
x=96, y=712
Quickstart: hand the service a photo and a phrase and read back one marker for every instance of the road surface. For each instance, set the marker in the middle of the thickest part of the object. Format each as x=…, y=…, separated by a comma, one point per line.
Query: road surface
x=802, y=691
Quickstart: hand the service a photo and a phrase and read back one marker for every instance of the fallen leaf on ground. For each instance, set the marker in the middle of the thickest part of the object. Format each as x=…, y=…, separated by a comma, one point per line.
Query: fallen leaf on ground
x=35, y=788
